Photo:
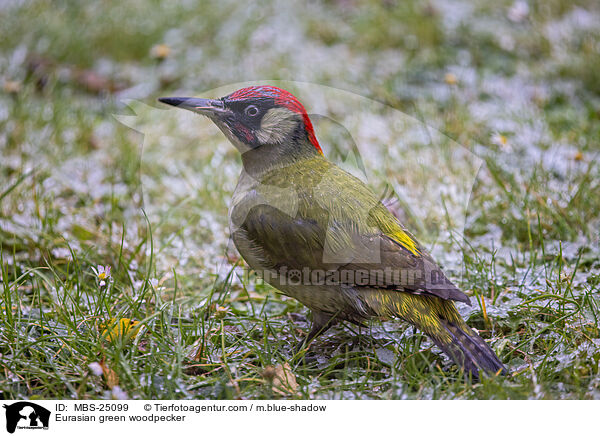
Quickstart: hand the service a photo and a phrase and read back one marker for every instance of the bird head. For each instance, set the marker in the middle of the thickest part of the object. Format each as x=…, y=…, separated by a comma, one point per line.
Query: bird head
x=257, y=117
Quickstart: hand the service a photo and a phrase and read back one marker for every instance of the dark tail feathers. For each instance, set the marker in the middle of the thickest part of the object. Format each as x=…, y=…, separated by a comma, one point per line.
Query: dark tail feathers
x=470, y=351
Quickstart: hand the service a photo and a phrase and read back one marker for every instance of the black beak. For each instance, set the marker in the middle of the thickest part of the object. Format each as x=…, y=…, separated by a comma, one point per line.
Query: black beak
x=202, y=106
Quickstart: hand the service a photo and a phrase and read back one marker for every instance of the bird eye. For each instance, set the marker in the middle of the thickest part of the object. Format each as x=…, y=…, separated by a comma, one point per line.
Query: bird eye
x=251, y=111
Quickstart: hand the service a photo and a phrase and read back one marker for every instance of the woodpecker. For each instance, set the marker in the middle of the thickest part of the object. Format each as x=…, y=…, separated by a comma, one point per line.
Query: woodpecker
x=321, y=235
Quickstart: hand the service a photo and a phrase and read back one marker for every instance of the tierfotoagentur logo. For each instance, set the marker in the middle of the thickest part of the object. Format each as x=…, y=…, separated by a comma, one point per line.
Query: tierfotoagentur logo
x=25, y=415
x=382, y=277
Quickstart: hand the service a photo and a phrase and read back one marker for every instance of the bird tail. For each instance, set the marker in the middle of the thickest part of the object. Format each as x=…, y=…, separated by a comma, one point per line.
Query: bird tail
x=468, y=350
x=440, y=320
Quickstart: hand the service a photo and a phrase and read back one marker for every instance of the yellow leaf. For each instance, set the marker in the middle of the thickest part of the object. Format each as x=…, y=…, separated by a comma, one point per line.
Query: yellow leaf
x=123, y=328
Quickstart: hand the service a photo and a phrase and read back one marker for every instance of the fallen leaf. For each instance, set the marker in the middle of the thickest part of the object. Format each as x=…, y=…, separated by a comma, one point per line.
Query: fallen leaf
x=284, y=380
x=12, y=86
x=123, y=328
x=110, y=377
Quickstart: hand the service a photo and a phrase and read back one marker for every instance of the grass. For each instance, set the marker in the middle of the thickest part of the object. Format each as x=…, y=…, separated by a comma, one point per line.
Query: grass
x=89, y=178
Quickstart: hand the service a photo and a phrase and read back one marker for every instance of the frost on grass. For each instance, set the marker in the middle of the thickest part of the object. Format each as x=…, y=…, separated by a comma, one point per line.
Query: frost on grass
x=516, y=85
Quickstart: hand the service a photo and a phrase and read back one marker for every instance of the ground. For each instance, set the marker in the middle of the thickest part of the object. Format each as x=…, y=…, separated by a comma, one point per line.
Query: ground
x=478, y=121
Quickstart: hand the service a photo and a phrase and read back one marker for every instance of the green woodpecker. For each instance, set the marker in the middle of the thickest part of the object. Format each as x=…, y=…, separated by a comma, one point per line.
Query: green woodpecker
x=322, y=236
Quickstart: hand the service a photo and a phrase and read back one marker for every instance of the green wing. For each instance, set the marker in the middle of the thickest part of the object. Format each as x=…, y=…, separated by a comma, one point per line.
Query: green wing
x=329, y=223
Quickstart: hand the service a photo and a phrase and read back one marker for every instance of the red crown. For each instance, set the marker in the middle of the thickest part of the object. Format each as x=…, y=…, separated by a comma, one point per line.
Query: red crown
x=282, y=98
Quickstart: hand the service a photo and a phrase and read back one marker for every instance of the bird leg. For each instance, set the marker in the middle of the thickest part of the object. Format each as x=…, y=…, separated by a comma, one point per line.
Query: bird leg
x=321, y=323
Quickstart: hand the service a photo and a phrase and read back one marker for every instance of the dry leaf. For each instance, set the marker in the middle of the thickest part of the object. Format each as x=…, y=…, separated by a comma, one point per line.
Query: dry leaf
x=12, y=86
x=110, y=377
x=284, y=380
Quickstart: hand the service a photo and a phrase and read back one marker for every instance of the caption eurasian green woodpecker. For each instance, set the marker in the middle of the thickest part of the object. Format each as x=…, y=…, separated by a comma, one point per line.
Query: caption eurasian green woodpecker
x=322, y=236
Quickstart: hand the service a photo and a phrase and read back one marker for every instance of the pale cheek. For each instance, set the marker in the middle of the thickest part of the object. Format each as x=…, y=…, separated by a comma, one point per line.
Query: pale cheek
x=276, y=131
